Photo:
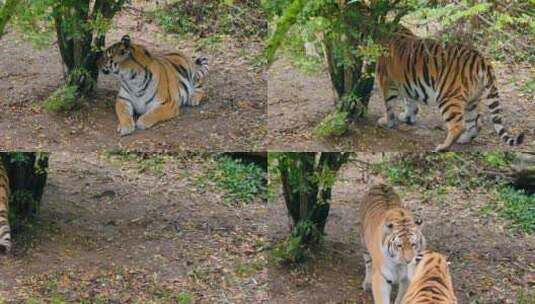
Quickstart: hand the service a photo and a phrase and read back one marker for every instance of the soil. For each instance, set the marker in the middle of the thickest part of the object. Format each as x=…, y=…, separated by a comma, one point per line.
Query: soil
x=298, y=101
x=490, y=263
x=113, y=231
x=231, y=119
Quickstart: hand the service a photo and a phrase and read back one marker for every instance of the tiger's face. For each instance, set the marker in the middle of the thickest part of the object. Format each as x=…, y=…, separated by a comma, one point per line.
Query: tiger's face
x=403, y=238
x=112, y=57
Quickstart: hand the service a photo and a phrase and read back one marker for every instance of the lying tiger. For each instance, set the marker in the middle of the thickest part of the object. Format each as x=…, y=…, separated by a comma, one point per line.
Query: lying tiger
x=152, y=87
x=392, y=238
x=452, y=76
x=5, y=231
x=430, y=280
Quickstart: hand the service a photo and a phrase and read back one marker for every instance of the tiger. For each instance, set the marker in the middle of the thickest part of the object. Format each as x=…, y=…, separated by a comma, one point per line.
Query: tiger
x=153, y=87
x=454, y=77
x=392, y=238
x=5, y=231
x=430, y=280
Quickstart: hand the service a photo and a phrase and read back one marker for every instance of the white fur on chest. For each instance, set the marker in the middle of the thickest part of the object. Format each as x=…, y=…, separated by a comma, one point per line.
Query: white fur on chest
x=139, y=90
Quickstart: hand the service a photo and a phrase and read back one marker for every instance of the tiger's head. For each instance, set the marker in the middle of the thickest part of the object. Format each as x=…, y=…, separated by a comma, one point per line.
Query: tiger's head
x=423, y=260
x=114, y=55
x=403, y=238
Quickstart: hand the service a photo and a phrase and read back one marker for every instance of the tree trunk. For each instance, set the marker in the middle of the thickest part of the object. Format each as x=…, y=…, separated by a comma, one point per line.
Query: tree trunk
x=307, y=179
x=27, y=172
x=523, y=173
x=6, y=11
x=351, y=77
x=75, y=39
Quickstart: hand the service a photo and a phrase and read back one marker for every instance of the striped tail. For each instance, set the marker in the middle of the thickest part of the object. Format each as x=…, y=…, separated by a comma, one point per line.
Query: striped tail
x=202, y=69
x=495, y=108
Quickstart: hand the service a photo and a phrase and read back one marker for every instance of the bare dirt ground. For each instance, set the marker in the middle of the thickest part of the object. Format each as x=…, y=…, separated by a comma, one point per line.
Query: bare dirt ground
x=233, y=118
x=489, y=263
x=110, y=232
x=297, y=102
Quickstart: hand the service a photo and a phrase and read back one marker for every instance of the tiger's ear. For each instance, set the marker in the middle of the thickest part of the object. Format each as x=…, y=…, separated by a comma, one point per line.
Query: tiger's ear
x=126, y=40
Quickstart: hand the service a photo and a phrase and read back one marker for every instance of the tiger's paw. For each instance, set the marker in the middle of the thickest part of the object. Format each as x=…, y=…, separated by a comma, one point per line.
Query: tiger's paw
x=125, y=130
x=441, y=148
x=384, y=122
x=141, y=125
x=407, y=118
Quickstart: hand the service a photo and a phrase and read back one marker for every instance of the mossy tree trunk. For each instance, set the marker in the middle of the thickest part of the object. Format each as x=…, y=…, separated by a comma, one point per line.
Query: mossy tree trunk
x=6, y=11
x=307, y=179
x=27, y=172
x=351, y=77
x=77, y=23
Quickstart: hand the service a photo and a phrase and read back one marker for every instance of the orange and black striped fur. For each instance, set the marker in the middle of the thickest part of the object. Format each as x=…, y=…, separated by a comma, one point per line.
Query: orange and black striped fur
x=5, y=231
x=430, y=280
x=454, y=77
x=152, y=87
x=392, y=238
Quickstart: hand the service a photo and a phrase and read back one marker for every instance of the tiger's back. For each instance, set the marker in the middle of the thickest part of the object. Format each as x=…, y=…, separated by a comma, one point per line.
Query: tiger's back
x=430, y=280
x=454, y=77
x=5, y=231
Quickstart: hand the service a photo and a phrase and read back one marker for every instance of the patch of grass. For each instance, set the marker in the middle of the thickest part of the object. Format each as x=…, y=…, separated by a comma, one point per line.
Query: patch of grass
x=525, y=297
x=248, y=269
x=184, y=298
x=528, y=86
x=241, y=182
x=63, y=99
x=518, y=207
x=334, y=124
x=144, y=162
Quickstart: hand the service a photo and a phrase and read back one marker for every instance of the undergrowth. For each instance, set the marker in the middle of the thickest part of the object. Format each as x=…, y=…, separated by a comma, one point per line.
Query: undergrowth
x=240, y=18
x=434, y=174
x=63, y=99
x=242, y=182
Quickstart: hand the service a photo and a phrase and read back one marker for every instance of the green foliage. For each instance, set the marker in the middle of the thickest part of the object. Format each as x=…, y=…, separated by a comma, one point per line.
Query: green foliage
x=242, y=182
x=436, y=170
x=63, y=99
x=184, y=298
x=504, y=30
x=518, y=207
x=526, y=297
x=294, y=250
x=333, y=124
x=207, y=18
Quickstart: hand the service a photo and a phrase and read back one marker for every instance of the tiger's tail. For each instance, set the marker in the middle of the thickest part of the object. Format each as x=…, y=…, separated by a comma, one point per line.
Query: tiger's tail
x=201, y=69
x=495, y=108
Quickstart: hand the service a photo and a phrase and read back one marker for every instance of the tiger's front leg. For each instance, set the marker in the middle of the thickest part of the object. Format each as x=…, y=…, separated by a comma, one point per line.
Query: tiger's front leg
x=160, y=113
x=402, y=289
x=389, y=120
x=411, y=110
x=380, y=287
x=5, y=231
x=125, y=114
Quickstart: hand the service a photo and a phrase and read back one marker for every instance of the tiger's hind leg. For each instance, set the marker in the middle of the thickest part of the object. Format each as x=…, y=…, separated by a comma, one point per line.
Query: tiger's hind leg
x=198, y=97
x=390, y=94
x=367, y=284
x=411, y=109
x=471, y=123
x=452, y=110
